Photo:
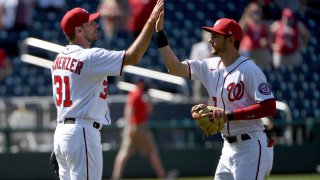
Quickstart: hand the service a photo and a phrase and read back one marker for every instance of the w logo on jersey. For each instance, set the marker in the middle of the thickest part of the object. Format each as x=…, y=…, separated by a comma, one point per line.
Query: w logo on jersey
x=235, y=91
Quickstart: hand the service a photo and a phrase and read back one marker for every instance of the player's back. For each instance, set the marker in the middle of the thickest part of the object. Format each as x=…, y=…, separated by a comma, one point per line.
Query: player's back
x=80, y=82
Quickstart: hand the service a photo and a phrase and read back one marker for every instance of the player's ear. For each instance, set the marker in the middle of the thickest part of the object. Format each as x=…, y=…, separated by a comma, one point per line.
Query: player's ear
x=77, y=29
x=231, y=39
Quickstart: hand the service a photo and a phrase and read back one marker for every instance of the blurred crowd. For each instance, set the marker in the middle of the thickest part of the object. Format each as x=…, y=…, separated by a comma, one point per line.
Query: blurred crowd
x=271, y=38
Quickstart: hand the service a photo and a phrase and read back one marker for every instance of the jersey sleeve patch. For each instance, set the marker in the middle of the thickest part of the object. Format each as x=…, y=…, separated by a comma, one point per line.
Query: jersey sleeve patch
x=264, y=89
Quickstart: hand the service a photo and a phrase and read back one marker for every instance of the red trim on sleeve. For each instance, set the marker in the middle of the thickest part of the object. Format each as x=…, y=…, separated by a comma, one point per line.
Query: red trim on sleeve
x=124, y=56
x=263, y=109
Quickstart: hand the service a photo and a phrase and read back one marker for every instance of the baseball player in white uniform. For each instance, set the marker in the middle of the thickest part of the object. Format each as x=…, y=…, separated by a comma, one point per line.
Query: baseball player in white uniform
x=80, y=91
x=236, y=85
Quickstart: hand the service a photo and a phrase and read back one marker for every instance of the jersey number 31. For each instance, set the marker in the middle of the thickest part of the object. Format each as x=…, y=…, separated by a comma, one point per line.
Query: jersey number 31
x=64, y=96
x=67, y=102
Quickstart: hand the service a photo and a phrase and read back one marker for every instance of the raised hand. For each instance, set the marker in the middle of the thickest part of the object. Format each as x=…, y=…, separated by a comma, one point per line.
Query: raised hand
x=156, y=11
x=159, y=23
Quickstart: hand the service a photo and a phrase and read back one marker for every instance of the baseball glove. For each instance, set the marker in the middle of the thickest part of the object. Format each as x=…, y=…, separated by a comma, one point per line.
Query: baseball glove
x=210, y=119
x=54, y=164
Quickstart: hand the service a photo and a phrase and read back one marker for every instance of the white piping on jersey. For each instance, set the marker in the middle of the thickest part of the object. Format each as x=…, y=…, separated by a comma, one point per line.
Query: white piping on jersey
x=106, y=116
x=224, y=107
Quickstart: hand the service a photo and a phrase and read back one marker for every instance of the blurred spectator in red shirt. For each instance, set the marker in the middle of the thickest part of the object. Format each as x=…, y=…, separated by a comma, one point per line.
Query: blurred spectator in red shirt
x=16, y=15
x=114, y=16
x=298, y=6
x=140, y=11
x=257, y=38
x=5, y=65
x=136, y=135
x=52, y=5
x=289, y=36
x=266, y=8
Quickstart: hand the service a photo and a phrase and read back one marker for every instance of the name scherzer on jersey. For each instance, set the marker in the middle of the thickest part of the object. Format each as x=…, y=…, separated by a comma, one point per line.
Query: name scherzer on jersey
x=237, y=86
x=80, y=82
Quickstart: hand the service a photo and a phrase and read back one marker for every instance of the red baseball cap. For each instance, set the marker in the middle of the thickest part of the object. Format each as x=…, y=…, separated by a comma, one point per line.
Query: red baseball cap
x=75, y=18
x=225, y=26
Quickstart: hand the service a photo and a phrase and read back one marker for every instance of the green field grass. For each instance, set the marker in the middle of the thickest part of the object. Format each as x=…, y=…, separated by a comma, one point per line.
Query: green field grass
x=295, y=177
x=271, y=177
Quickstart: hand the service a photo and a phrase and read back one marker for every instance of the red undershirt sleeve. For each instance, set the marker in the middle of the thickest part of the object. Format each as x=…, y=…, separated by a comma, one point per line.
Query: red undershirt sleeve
x=263, y=109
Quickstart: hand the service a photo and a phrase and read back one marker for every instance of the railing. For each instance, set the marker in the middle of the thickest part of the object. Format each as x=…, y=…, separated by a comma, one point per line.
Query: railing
x=288, y=134
x=184, y=89
x=28, y=123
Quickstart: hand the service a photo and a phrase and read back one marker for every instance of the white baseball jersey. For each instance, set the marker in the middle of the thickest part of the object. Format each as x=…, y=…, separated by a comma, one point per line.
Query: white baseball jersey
x=80, y=84
x=237, y=86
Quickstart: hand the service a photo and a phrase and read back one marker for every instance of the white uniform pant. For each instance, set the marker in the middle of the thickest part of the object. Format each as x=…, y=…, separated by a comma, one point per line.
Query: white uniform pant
x=79, y=151
x=247, y=160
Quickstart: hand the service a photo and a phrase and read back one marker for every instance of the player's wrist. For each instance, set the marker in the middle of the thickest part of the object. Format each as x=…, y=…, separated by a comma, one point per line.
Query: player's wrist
x=229, y=115
x=161, y=39
x=151, y=22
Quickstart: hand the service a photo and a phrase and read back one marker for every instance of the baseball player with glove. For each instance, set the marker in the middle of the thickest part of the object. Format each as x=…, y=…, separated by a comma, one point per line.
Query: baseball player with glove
x=239, y=97
x=80, y=91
